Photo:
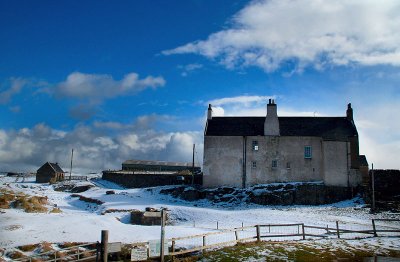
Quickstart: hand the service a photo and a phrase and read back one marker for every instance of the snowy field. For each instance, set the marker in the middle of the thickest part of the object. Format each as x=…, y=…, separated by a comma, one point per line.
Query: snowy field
x=82, y=222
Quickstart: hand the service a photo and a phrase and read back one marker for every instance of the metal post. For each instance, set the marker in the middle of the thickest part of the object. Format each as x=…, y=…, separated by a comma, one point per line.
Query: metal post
x=162, y=235
x=236, y=235
x=304, y=232
x=373, y=187
x=337, y=229
x=374, y=228
x=217, y=224
x=104, y=246
x=258, y=233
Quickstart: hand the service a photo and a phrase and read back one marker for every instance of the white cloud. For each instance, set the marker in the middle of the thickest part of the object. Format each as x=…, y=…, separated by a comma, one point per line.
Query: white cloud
x=186, y=69
x=28, y=148
x=314, y=33
x=16, y=86
x=96, y=87
x=252, y=106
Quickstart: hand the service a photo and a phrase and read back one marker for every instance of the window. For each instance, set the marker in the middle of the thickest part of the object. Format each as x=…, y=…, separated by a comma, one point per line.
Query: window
x=307, y=152
x=255, y=145
x=288, y=165
x=254, y=164
x=274, y=164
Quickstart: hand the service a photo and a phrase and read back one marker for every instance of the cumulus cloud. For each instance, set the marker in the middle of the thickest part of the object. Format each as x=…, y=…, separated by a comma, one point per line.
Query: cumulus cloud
x=16, y=85
x=27, y=149
x=97, y=87
x=244, y=105
x=273, y=33
x=252, y=106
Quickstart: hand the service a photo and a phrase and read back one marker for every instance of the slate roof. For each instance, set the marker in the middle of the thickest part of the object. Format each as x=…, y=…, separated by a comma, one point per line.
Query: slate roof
x=329, y=128
x=56, y=167
x=156, y=163
x=362, y=159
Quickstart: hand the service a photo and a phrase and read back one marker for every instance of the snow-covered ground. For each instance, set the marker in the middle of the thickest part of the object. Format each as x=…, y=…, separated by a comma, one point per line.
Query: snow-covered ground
x=83, y=222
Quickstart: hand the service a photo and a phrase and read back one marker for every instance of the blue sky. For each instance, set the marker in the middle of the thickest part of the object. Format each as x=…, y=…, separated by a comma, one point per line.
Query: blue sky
x=132, y=79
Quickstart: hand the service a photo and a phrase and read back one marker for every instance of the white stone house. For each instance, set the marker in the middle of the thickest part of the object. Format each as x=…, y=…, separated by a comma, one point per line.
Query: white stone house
x=245, y=151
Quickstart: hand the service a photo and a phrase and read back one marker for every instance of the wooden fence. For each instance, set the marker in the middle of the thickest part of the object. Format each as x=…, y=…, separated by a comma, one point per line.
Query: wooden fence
x=82, y=252
x=225, y=237
x=268, y=231
x=76, y=178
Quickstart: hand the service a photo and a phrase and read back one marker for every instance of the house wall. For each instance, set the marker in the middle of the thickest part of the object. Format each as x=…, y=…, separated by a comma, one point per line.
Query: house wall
x=223, y=159
x=289, y=155
x=336, y=163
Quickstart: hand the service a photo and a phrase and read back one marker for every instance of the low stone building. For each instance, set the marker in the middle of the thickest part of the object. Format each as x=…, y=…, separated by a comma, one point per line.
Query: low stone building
x=148, y=165
x=246, y=151
x=49, y=172
x=142, y=173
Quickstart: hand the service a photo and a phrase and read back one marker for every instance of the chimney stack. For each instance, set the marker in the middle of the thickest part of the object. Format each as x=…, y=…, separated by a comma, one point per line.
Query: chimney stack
x=349, y=112
x=209, y=112
x=271, y=124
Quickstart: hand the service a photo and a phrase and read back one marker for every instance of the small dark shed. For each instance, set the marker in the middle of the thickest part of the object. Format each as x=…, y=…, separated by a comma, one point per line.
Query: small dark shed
x=49, y=172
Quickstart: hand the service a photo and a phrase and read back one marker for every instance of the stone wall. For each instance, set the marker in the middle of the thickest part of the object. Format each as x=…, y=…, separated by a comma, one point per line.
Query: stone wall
x=269, y=194
x=138, y=180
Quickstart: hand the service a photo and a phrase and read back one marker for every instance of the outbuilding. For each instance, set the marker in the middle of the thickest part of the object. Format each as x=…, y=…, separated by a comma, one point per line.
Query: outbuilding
x=49, y=172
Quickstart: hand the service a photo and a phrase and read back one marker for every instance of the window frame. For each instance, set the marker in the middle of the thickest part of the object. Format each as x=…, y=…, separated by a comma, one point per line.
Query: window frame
x=308, y=152
x=254, y=164
x=274, y=164
x=254, y=145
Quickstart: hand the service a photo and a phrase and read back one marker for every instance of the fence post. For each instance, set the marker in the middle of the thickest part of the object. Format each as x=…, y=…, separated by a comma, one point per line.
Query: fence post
x=78, y=252
x=327, y=229
x=204, y=243
x=163, y=218
x=374, y=228
x=104, y=246
x=173, y=246
x=217, y=224
x=236, y=235
x=258, y=233
x=337, y=229
x=55, y=256
x=304, y=232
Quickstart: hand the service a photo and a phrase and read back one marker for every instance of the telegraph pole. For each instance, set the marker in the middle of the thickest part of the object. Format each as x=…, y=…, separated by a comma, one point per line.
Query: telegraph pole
x=373, y=187
x=194, y=148
x=70, y=170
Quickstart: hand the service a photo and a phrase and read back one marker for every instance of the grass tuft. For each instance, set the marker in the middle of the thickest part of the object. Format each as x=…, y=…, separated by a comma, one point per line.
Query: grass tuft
x=56, y=210
x=28, y=248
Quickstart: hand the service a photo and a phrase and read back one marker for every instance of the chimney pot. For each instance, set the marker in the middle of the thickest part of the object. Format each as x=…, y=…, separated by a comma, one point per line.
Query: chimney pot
x=209, y=112
x=349, y=112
